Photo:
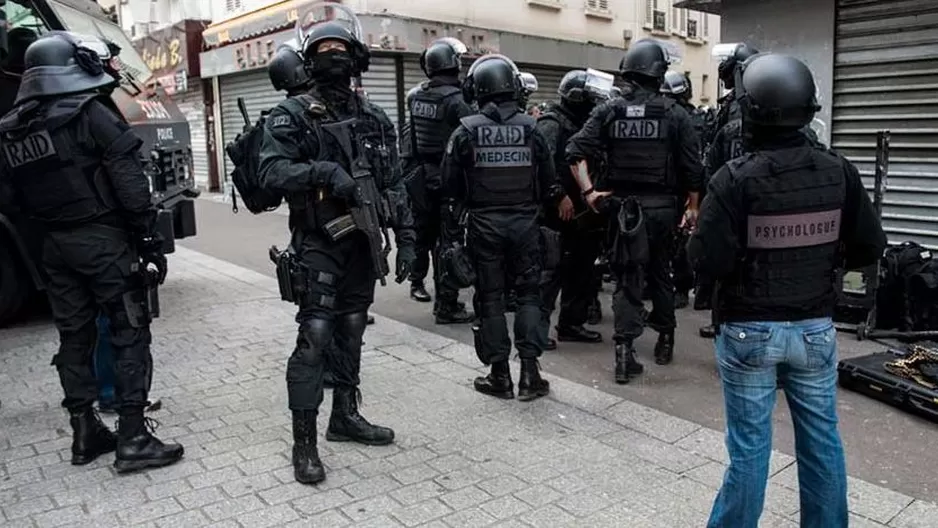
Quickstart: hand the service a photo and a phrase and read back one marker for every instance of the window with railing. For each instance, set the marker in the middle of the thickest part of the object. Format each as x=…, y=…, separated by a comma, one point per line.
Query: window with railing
x=692, y=29
x=660, y=22
x=598, y=5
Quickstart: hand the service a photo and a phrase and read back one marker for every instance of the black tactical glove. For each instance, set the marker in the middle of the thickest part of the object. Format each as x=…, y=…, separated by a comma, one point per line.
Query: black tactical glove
x=406, y=256
x=151, y=252
x=345, y=187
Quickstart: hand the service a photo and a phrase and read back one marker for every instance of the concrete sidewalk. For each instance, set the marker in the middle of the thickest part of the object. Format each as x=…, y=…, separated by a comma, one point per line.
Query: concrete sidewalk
x=579, y=458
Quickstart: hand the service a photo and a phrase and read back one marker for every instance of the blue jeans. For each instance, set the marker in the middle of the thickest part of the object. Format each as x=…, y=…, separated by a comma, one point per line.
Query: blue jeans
x=752, y=357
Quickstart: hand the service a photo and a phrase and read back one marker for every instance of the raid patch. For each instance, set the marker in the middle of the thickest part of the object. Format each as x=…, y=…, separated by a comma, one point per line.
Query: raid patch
x=32, y=148
x=425, y=110
x=635, y=129
x=500, y=136
x=794, y=230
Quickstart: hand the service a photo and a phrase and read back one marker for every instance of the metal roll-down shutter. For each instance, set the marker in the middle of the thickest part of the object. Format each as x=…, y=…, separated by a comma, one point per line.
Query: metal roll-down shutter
x=886, y=78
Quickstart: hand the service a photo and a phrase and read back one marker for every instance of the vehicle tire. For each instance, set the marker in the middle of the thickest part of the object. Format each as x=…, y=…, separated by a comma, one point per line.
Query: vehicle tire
x=15, y=288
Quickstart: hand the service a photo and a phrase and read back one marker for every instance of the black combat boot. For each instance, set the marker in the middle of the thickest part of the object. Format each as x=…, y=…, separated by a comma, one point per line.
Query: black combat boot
x=627, y=365
x=90, y=437
x=531, y=385
x=708, y=332
x=419, y=293
x=137, y=448
x=578, y=334
x=594, y=314
x=664, y=348
x=497, y=383
x=452, y=313
x=346, y=425
x=307, y=468
x=681, y=300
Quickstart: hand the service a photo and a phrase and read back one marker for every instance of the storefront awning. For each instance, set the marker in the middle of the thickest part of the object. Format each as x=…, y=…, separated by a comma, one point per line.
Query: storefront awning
x=706, y=6
x=275, y=17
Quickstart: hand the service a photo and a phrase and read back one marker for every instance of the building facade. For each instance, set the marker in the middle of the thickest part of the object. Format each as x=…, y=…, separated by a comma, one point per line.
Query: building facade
x=876, y=65
x=545, y=37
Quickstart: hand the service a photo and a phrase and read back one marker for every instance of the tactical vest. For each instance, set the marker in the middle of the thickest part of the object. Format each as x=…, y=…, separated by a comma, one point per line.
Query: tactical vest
x=503, y=168
x=640, y=144
x=429, y=129
x=59, y=181
x=733, y=146
x=793, y=199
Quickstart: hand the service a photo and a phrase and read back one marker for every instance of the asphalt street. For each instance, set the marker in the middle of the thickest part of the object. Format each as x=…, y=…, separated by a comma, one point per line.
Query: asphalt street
x=884, y=445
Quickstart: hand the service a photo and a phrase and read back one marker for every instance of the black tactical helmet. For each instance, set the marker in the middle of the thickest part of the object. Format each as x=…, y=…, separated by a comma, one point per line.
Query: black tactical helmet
x=646, y=58
x=63, y=63
x=573, y=87
x=727, y=69
x=490, y=76
x=777, y=91
x=678, y=85
x=443, y=56
x=336, y=31
x=286, y=69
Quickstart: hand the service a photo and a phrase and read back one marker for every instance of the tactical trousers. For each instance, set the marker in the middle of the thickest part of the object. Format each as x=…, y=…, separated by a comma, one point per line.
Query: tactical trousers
x=627, y=299
x=506, y=246
x=341, y=281
x=425, y=206
x=574, y=280
x=89, y=268
x=683, y=274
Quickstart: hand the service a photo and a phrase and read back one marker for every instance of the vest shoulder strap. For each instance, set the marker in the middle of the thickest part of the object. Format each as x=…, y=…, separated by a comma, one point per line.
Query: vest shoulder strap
x=474, y=121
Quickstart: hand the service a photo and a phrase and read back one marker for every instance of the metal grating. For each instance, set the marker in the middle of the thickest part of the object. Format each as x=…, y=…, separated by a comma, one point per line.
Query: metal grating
x=886, y=78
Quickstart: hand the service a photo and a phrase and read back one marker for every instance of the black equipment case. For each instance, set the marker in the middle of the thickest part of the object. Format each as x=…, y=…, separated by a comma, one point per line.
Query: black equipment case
x=866, y=375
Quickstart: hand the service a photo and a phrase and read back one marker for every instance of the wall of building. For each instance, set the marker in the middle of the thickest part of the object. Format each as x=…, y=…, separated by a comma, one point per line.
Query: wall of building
x=783, y=26
x=139, y=17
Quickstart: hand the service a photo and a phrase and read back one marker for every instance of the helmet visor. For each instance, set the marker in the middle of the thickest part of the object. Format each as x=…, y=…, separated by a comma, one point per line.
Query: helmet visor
x=724, y=51
x=322, y=13
x=454, y=43
x=528, y=82
x=599, y=84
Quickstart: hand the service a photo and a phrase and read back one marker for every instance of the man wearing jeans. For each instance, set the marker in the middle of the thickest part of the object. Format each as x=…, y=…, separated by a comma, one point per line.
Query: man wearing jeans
x=774, y=226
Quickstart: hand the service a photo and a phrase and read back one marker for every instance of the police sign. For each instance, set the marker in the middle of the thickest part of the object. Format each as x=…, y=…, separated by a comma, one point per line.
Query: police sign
x=32, y=148
x=502, y=146
x=636, y=129
x=425, y=110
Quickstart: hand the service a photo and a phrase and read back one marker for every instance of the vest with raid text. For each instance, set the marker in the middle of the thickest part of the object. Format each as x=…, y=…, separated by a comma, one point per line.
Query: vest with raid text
x=429, y=128
x=793, y=203
x=640, y=144
x=58, y=178
x=503, y=169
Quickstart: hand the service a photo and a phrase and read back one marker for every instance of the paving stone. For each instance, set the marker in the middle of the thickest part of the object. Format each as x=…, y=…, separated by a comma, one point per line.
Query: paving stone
x=505, y=507
x=465, y=498
x=187, y=519
x=370, y=508
x=503, y=485
x=919, y=514
x=414, y=474
x=61, y=517
x=149, y=511
x=649, y=421
x=276, y=516
x=331, y=518
x=321, y=502
x=874, y=502
x=584, y=503
x=539, y=495
x=550, y=517
x=167, y=489
x=251, y=484
x=229, y=508
x=419, y=492
x=856, y=521
x=371, y=487
x=200, y=497
x=421, y=513
x=470, y=518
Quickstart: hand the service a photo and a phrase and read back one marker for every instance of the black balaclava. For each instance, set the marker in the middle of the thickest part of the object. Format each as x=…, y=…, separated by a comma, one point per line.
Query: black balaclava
x=333, y=68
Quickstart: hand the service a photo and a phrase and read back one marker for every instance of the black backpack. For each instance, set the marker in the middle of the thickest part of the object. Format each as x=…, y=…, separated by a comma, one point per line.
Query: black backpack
x=906, y=269
x=244, y=153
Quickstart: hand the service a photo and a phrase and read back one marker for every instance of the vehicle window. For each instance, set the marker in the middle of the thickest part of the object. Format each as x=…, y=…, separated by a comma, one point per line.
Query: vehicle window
x=79, y=22
x=23, y=16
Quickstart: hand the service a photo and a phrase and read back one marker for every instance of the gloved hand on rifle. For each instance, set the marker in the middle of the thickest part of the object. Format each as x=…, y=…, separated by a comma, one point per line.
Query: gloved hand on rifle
x=344, y=186
x=406, y=256
x=150, y=249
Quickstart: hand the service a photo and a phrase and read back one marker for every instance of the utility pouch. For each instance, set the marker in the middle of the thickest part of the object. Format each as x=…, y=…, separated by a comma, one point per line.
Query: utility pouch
x=153, y=293
x=340, y=227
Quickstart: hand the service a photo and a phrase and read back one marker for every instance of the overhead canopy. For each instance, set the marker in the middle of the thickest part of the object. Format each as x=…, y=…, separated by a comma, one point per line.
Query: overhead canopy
x=706, y=6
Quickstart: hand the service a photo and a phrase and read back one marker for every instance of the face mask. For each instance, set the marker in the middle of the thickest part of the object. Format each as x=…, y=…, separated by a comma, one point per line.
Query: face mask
x=333, y=66
x=581, y=108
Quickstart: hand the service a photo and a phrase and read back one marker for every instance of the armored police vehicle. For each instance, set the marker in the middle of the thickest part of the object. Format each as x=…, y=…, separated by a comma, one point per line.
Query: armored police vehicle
x=166, y=150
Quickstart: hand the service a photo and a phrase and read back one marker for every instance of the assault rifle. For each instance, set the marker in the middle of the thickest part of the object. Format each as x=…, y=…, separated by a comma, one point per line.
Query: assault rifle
x=369, y=213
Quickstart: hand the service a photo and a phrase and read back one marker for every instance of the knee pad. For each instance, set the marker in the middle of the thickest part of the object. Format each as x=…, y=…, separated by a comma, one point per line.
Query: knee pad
x=314, y=338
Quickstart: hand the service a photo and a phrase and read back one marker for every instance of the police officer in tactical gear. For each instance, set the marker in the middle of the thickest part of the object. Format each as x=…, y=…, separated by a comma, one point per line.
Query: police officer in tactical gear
x=313, y=144
x=73, y=165
x=774, y=226
x=678, y=86
x=580, y=228
x=727, y=72
x=498, y=167
x=287, y=71
x=652, y=155
x=435, y=107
